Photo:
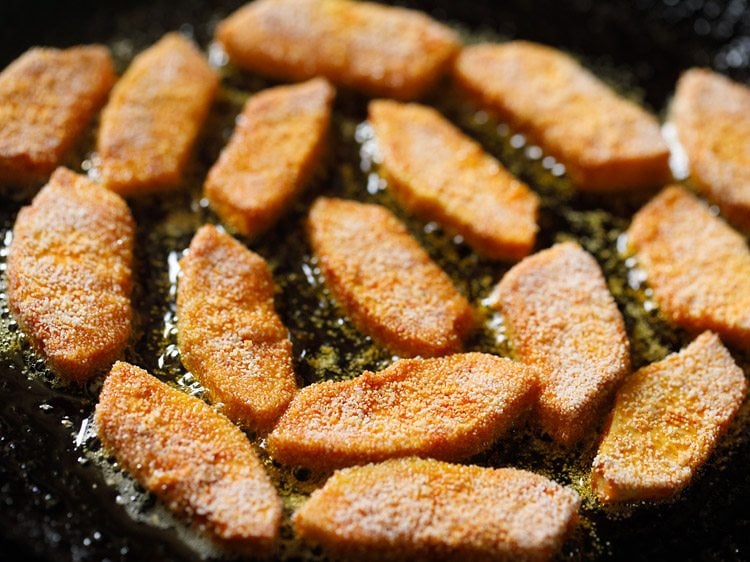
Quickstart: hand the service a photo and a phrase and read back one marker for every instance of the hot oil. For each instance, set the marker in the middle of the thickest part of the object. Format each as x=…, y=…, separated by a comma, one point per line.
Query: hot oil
x=327, y=346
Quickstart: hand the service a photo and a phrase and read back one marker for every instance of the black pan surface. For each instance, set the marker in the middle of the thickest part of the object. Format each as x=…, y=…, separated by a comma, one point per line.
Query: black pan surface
x=55, y=503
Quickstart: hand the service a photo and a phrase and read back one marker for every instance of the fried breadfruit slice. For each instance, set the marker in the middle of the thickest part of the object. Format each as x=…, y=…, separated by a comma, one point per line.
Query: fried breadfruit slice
x=228, y=332
x=385, y=280
x=70, y=277
x=605, y=141
x=278, y=143
x=712, y=117
x=191, y=457
x=440, y=174
x=47, y=99
x=379, y=50
x=562, y=320
x=423, y=510
x=446, y=408
x=697, y=266
x=153, y=117
x=667, y=419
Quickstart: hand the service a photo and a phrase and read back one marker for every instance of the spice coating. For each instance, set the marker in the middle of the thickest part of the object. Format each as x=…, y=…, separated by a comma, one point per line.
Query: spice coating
x=446, y=408
x=440, y=174
x=278, y=142
x=70, y=276
x=153, y=117
x=191, y=457
x=562, y=319
x=229, y=334
x=380, y=50
x=605, y=141
x=385, y=281
x=47, y=99
x=666, y=421
x=429, y=510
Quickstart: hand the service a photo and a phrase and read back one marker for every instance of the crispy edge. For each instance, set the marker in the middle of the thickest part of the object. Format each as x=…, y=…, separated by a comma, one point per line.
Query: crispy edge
x=79, y=359
x=367, y=308
x=38, y=159
x=459, y=201
x=191, y=457
x=327, y=424
x=342, y=41
x=567, y=416
x=273, y=125
x=246, y=295
x=426, y=510
x=589, y=172
x=640, y=409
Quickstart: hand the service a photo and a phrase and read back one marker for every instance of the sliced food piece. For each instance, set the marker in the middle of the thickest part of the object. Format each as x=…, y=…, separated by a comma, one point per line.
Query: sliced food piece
x=667, y=419
x=447, y=408
x=47, y=98
x=153, y=117
x=69, y=274
x=380, y=50
x=385, y=280
x=228, y=332
x=712, y=117
x=274, y=150
x=562, y=320
x=697, y=266
x=414, y=509
x=191, y=457
x=439, y=174
x=605, y=141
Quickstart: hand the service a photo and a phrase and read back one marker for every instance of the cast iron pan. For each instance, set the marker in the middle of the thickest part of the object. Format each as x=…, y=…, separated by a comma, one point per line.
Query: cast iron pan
x=54, y=501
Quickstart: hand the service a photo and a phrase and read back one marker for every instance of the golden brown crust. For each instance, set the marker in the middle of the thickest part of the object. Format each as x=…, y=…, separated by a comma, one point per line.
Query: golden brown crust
x=697, y=266
x=562, y=319
x=667, y=419
x=69, y=274
x=605, y=141
x=47, y=98
x=712, y=117
x=414, y=509
x=440, y=174
x=380, y=50
x=191, y=457
x=385, y=281
x=229, y=334
x=153, y=117
x=278, y=142
x=447, y=408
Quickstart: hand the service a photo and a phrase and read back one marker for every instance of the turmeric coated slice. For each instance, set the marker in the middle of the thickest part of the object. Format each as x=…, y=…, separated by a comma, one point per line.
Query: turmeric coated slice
x=274, y=150
x=70, y=277
x=191, y=457
x=712, y=117
x=696, y=265
x=421, y=510
x=229, y=334
x=385, y=281
x=605, y=141
x=667, y=419
x=47, y=98
x=439, y=174
x=562, y=319
x=153, y=117
x=380, y=50
x=447, y=408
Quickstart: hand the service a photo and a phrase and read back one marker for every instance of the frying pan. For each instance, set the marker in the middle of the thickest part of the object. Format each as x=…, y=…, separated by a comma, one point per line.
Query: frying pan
x=57, y=505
